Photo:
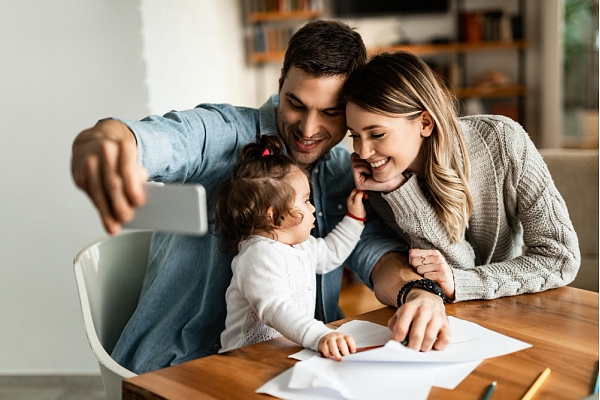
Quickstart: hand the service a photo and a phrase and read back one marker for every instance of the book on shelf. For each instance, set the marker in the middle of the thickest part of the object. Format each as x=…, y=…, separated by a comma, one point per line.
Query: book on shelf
x=449, y=72
x=281, y=6
x=491, y=25
x=270, y=39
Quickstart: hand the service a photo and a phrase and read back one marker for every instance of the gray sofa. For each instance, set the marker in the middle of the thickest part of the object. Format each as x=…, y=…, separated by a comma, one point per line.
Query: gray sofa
x=575, y=173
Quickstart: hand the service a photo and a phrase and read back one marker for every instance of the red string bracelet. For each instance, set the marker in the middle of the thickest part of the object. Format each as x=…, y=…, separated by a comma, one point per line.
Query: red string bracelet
x=355, y=217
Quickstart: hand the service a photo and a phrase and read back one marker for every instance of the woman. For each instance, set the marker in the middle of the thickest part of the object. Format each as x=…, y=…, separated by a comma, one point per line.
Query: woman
x=464, y=192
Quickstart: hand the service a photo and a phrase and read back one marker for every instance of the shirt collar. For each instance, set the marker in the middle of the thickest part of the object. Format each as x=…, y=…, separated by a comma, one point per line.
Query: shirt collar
x=267, y=116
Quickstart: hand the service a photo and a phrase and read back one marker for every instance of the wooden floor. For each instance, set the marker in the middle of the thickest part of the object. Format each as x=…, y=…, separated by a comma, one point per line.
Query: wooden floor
x=356, y=298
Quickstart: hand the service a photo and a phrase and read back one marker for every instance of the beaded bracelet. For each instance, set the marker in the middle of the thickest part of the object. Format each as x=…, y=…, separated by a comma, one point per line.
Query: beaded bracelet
x=355, y=217
x=425, y=284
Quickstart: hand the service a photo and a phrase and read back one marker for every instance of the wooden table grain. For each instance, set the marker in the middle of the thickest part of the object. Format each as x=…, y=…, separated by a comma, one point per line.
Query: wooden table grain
x=561, y=324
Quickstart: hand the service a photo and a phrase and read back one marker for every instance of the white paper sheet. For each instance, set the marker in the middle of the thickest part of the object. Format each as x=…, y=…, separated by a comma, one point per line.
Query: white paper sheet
x=364, y=333
x=451, y=374
x=316, y=379
x=392, y=371
x=470, y=342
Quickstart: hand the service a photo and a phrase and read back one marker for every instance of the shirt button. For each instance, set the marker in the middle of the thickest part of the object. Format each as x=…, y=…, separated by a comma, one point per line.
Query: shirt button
x=216, y=345
x=340, y=206
x=320, y=214
x=316, y=170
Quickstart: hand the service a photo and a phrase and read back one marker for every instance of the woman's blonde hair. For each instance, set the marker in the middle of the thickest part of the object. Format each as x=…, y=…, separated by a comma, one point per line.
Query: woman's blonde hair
x=401, y=84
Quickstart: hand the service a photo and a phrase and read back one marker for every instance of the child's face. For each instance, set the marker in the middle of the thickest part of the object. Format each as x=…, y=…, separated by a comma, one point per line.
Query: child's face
x=302, y=204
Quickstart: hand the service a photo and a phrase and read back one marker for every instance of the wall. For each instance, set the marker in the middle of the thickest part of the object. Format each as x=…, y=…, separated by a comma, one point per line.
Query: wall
x=66, y=64
x=194, y=53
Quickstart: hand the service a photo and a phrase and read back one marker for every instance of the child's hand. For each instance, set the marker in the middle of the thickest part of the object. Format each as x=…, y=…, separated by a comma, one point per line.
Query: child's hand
x=430, y=264
x=335, y=345
x=355, y=203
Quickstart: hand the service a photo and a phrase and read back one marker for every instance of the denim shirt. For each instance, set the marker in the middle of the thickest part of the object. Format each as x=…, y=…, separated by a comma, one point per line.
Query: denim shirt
x=181, y=310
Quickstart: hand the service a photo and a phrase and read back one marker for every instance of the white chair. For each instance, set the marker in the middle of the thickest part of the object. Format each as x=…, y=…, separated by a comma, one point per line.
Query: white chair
x=109, y=275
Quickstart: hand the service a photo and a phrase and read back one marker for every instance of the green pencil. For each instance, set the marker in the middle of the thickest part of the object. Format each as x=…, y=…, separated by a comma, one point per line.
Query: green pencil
x=490, y=391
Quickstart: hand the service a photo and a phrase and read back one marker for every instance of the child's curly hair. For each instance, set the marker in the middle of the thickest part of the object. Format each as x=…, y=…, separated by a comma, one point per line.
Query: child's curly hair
x=256, y=184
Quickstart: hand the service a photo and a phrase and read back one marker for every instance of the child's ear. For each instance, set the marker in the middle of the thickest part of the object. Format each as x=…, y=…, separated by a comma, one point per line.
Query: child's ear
x=270, y=215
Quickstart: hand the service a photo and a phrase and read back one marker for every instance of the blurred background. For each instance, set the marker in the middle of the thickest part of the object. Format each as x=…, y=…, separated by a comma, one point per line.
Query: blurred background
x=67, y=63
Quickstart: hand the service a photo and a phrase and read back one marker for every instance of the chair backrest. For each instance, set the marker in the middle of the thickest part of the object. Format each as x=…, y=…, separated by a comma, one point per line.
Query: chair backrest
x=109, y=275
x=575, y=174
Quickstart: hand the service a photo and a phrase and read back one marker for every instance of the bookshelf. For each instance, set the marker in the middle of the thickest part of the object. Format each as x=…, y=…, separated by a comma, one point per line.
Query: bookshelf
x=455, y=47
x=498, y=32
x=461, y=90
x=272, y=23
x=477, y=31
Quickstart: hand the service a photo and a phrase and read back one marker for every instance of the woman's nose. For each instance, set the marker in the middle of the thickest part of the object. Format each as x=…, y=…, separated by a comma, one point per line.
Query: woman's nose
x=363, y=149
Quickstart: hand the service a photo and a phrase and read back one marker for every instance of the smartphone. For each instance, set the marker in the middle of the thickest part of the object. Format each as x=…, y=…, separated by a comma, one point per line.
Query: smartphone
x=178, y=208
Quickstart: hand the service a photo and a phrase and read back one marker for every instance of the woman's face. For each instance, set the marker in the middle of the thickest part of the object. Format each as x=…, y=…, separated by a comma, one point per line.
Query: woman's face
x=391, y=145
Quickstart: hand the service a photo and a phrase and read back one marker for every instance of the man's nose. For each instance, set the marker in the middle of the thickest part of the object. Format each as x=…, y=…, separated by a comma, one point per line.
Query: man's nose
x=310, y=125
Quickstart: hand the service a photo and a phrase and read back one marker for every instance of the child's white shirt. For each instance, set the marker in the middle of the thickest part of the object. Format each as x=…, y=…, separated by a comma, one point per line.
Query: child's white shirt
x=273, y=288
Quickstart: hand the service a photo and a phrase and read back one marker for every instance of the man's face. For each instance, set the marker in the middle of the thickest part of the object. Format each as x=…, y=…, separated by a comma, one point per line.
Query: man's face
x=310, y=118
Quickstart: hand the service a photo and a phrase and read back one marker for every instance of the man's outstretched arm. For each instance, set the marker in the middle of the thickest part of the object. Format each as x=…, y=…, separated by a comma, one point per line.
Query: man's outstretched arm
x=422, y=318
x=104, y=165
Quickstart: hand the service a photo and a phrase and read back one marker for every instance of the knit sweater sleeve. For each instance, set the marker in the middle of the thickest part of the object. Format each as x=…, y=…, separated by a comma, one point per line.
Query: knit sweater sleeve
x=552, y=257
x=264, y=283
x=418, y=219
x=330, y=252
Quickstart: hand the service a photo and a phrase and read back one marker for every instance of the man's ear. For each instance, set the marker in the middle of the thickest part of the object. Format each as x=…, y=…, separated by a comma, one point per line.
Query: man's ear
x=426, y=123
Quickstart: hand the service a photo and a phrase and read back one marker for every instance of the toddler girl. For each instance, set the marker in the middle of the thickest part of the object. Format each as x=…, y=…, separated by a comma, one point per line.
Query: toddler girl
x=264, y=212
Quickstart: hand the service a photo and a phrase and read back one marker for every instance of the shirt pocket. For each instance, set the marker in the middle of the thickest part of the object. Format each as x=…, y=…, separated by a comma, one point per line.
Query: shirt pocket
x=335, y=209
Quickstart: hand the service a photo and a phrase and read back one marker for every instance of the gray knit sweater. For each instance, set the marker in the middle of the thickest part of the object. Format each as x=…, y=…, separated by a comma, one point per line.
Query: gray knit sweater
x=514, y=201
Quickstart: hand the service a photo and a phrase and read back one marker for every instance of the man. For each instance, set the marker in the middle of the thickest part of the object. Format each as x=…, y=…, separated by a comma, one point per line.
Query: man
x=181, y=312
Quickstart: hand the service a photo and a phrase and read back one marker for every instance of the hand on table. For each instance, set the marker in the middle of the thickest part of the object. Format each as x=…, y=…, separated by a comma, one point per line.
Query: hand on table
x=104, y=165
x=335, y=345
x=422, y=320
x=431, y=264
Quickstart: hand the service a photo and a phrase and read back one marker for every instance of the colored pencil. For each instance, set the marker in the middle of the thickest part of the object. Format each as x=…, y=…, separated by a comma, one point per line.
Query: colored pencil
x=537, y=385
x=596, y=387
x=490, y=390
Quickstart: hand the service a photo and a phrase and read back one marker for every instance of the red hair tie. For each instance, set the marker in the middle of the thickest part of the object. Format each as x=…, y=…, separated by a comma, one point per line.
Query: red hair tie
x=266, y=152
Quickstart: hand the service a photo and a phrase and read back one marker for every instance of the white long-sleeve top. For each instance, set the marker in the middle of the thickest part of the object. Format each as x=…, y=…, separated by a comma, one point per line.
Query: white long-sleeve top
x=273, y=288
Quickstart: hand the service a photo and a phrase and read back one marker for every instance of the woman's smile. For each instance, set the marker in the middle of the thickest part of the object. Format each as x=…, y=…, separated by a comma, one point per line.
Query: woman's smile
x=376, y=165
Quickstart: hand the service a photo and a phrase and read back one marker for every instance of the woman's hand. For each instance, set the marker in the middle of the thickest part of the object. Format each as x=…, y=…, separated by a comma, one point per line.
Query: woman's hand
x=431, y=264
x=363, y=177
x=335, y=345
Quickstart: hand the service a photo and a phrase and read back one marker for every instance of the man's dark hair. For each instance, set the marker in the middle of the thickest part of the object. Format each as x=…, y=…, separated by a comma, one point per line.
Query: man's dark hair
x=324, y=48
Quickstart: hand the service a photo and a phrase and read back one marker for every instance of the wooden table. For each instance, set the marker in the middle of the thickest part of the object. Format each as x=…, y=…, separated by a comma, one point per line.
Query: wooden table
x=561, y=324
